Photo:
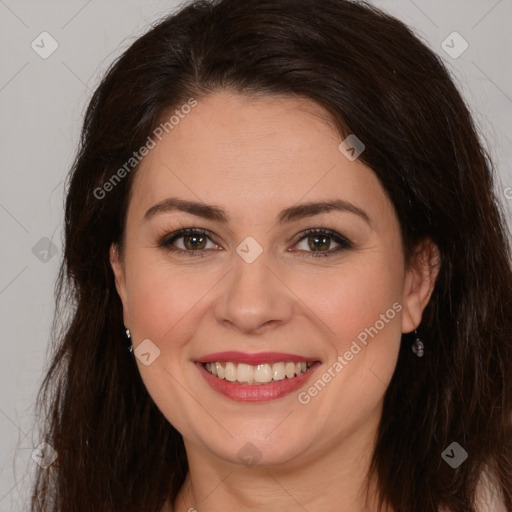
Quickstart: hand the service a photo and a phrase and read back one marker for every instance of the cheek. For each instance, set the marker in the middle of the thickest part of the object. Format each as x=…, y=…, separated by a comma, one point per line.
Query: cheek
x=360, y=301
x=164, y=298
x=361, y=305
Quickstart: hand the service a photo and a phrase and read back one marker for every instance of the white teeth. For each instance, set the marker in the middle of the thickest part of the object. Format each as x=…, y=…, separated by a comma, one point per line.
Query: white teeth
x=220, y=370
x=263, y=373
x=244, y=373
x=290, y=370
x=230, y=372
x=278, y=371
x=259, y=374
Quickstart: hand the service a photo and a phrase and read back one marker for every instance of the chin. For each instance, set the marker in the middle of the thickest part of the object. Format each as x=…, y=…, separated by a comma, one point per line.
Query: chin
x=260, y=450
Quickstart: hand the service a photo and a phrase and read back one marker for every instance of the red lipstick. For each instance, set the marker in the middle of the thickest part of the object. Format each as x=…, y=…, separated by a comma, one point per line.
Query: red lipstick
x=255, y=392
x=254, y=359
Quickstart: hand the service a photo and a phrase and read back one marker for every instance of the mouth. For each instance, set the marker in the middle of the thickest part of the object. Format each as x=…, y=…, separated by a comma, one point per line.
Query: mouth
x=256, y=377
x=241, y=373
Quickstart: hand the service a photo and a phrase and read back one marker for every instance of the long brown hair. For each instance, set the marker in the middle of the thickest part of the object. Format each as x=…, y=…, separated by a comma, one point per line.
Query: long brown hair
x=116, y=451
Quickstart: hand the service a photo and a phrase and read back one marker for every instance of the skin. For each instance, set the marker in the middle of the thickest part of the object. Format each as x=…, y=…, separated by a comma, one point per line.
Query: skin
x=254, y=157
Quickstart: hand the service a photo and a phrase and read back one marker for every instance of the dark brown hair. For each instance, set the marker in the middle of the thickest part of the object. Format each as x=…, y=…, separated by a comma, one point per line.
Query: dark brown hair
x=116, y=451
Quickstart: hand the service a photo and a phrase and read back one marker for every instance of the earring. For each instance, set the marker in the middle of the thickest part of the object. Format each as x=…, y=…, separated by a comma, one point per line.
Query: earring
x=129, y=341
x=417, y=347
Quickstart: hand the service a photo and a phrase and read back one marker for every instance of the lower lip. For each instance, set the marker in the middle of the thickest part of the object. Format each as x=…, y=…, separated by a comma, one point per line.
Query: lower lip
x=256, y=392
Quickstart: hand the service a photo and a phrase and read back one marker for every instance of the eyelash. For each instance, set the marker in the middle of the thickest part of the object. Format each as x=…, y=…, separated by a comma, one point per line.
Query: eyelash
x=166, y=241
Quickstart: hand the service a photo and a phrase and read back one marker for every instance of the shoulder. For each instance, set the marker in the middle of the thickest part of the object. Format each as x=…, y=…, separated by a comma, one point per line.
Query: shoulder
x=489, y=497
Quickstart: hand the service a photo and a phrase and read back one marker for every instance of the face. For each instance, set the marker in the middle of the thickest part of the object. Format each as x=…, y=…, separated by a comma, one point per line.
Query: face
x=244, y=176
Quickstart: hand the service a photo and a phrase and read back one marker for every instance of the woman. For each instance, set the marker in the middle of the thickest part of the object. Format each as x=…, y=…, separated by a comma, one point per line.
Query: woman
x=284, y=210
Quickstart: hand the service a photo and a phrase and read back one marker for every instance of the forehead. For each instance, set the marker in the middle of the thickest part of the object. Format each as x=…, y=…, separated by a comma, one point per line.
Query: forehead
x=235, y=127
x=236, y=150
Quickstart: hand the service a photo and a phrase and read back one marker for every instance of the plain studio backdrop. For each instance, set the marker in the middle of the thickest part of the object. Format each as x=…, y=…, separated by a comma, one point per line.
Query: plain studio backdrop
x=53, y=54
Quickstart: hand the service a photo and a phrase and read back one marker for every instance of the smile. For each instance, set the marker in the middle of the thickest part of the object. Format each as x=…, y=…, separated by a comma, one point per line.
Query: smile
x=241, y=373
x=256, y=377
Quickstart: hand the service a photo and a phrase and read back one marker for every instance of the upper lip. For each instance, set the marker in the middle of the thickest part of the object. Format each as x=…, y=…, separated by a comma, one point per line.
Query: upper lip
x=252, y=359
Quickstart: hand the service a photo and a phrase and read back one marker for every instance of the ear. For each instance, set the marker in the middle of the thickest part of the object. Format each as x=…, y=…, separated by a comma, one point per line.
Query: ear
x=120, y=279
x=419, y=283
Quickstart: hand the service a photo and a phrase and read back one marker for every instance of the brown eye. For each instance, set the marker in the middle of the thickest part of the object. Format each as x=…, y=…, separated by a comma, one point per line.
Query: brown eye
x=194, y=241
x=320, y=241
x=190, y=241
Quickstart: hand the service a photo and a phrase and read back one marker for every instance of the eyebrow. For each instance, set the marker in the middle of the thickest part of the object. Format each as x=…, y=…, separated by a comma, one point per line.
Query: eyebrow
x=290, y=214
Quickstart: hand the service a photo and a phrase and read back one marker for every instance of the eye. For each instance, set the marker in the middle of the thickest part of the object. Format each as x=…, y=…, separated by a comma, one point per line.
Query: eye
x=320, y=240
x=193, y=242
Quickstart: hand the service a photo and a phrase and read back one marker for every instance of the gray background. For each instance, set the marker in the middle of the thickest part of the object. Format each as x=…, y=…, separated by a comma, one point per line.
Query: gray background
x=42, y=102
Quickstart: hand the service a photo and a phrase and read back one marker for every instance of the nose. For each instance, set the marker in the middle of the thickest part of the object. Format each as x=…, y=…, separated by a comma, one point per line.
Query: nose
x=254, y=298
